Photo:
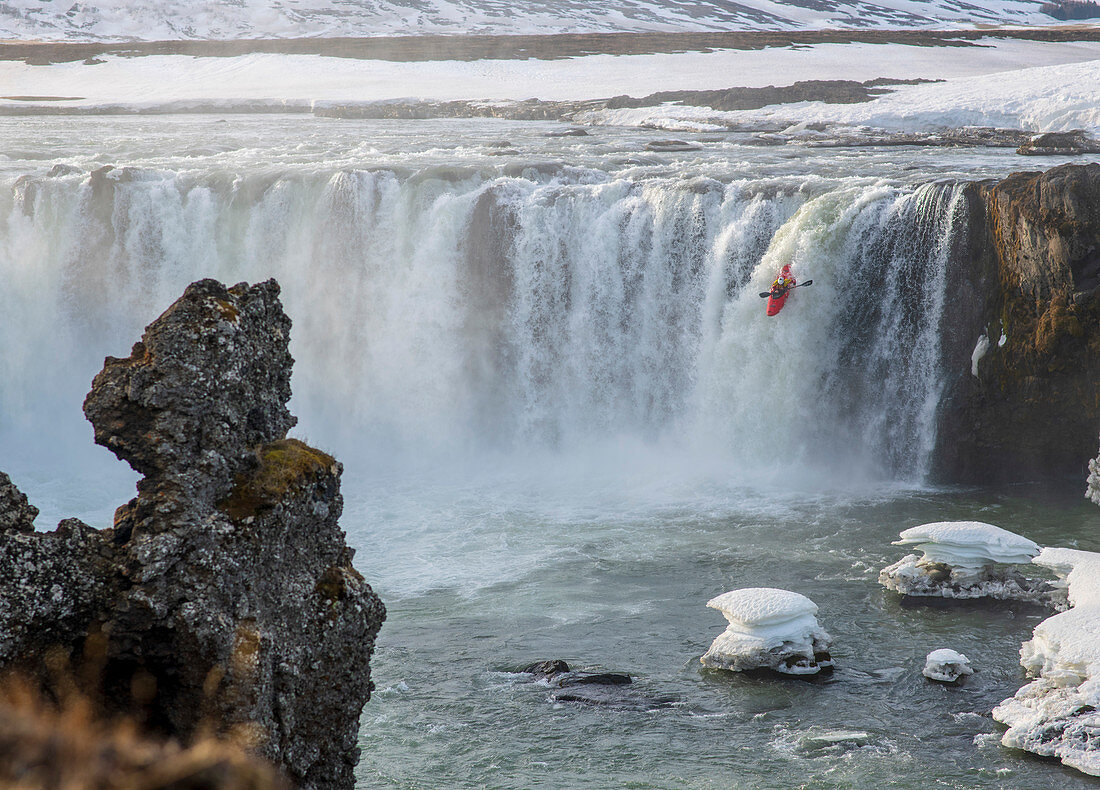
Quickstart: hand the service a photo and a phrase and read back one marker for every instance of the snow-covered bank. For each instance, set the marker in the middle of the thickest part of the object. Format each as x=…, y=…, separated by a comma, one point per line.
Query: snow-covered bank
x=160, y=80
x=1056, y=714
x=1039, y=98
x=150, y=20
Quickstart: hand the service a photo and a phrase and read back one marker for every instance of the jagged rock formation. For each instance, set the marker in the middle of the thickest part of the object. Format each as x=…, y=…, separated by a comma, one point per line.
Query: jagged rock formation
x=1024, y=330
x=224, y=595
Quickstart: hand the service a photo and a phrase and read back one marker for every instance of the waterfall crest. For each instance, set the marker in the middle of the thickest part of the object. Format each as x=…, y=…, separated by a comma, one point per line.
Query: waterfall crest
x=445, y=311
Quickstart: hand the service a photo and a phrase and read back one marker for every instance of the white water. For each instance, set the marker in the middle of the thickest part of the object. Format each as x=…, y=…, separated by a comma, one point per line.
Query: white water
x=448, y=311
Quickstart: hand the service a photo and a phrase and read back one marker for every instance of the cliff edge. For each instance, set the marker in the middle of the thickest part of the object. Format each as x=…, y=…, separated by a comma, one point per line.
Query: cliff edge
x=1023, y=331
x=224, y=596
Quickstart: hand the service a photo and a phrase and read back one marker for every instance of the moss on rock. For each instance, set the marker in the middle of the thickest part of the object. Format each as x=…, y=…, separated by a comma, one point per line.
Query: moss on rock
x=282, y=466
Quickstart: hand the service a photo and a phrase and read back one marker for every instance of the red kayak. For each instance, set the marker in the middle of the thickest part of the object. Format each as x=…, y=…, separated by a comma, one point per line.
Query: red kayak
x=776, y=304
x=783, y=289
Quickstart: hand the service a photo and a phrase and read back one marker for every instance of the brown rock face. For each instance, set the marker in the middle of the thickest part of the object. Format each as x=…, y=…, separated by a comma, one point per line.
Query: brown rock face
x=224, y=597
x=1032, y=288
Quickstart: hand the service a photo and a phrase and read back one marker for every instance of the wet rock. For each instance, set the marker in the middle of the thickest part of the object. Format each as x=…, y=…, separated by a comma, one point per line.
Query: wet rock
x=1060, y=144
x=604, y=689
x=225, y=590
x=574, y=131
x=546, y=669
x=666, y=146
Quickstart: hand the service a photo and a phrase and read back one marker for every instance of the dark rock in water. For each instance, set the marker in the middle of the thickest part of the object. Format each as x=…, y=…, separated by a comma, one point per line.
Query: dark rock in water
x=664, y=146
x=604, y=689
x=16, y=513
x=546, y=669
x=575, y=131
x=1060, y=144
x=225, y=588
x=595, y=679
x=1024, y=292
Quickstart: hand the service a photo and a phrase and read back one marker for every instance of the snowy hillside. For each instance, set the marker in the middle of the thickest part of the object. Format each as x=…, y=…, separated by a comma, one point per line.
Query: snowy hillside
x=65, y=20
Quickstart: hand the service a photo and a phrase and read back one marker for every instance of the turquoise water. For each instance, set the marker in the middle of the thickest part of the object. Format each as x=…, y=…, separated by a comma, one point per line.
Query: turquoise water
x=611, y=581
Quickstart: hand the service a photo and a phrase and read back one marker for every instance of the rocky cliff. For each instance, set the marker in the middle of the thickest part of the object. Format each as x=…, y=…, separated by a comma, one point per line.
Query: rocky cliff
x=1022, y=330
x=224, y=596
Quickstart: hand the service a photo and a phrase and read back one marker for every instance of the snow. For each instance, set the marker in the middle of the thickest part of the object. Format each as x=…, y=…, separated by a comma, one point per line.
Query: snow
x=1056, y=714
x=769, y=628
x=1047, y=98
x=1092, y=489
x=980, y=350
x=160, y=80
x=962, y=559
x=60, y=20
x=946, y=665
x=968, y=545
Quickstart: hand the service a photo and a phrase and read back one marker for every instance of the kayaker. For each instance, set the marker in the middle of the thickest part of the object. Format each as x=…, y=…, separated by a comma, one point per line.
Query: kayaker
x=783, y=283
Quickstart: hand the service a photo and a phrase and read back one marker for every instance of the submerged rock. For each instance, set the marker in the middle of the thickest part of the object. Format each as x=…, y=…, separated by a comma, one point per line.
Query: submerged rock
x=671, y=146
x=225, y=590
x=946, y=666
x=769, y=629
x=964, y=559
x=603, y=689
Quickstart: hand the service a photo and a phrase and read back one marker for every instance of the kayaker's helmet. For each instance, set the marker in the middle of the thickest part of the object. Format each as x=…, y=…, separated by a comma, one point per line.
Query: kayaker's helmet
x=782, y=280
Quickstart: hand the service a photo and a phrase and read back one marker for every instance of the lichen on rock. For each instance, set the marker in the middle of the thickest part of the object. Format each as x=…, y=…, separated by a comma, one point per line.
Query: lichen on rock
x=225, y=590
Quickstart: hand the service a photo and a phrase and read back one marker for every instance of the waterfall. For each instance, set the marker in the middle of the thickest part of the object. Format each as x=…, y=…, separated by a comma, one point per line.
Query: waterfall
x=450, y=311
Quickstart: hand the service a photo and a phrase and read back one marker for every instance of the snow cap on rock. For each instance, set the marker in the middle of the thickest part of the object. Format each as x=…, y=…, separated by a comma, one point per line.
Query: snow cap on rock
x=968, y=544
x=946, y=665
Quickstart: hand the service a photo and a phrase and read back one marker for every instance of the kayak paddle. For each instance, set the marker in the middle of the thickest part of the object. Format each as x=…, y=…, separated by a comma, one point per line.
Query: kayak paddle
x=766, y=294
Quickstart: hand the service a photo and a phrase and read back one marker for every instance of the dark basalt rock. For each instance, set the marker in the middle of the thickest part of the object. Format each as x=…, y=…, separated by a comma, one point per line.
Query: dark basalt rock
x=225, y=589
x=1027, y=278
x=602, y=689
x=16, y=513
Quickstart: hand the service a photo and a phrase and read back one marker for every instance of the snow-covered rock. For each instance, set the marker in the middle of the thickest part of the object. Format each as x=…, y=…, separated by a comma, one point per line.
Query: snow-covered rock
x=946, y=665
x=769, y=628
x=1092, y=490
x=1056, y=714
x=964, y=559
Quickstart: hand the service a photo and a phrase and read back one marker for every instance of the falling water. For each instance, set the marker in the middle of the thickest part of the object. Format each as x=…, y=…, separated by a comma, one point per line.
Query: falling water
x=447, y=311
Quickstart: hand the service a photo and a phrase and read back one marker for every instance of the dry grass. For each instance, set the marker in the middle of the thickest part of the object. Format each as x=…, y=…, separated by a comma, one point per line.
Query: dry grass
x=56, y=739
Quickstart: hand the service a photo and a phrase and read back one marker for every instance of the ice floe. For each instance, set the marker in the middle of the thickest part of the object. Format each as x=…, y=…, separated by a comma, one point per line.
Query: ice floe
x=964, y=559
x=946, y=665
x=769, y=629
x=1056, y=714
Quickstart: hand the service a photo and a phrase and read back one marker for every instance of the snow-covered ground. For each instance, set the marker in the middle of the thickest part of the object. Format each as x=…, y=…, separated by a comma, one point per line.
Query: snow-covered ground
x=148, y=20
x=1041, y=99
x=1037, y=86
